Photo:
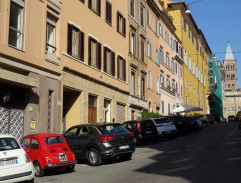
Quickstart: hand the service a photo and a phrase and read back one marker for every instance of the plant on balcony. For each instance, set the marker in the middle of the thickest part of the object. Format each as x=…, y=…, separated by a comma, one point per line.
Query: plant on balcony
x=169, y=87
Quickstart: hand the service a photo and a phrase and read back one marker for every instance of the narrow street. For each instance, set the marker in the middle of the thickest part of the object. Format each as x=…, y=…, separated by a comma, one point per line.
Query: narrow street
x=211, y=155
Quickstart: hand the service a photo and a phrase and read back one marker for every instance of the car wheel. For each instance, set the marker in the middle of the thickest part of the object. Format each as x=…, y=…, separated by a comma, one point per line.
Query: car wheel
x=93, y=157
x=39, y=172
x=126, y=157
x=70, y=168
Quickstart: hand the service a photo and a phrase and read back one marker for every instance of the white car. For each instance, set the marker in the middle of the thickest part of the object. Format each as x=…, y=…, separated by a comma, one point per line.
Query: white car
x=165, y=127
x=15, y=164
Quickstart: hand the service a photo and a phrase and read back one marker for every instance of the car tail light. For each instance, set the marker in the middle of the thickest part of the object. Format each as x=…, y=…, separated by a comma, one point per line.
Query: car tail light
x=131, y=135
x=48, y=159
x=138, y=127
x=74, y=158
x=106, y=138
x=27, y=158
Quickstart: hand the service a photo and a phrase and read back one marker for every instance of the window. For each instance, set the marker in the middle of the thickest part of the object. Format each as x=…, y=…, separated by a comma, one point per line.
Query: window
x=167, y=37
x=160, y=29
x=133, y=43
x=142, y=16
x=94, y=53
x=148, y=17
x=109, y=61
x=161, y=54
x=51, y=34
x=121, y=68
x=162, y=80
x=121, y=24
x=156, y=26
x=168, y=83
x=16, y=24
x=142, y=87
x=173, y=65
x=132, y=8
x=173, y=87
x=142, y=50
x=149, y=80
x=34, y=144
x=190, y=62
x=133, y=83
x=158, y=85
x=193, y=67
x=157, y=57
x=163, y=107
x=108, y=12
x=107, y=110
x=94, y=5
x=185, y=56
x=184, y=25
x=167, y=59
x=149, y=49
x=75, y=44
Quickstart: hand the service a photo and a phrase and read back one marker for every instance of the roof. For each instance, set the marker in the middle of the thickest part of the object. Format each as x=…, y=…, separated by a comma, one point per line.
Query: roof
x=229, y=53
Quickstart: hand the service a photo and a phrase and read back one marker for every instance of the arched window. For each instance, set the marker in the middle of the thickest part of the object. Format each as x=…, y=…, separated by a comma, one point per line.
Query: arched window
x=227, y=67
x=231, y=108
x=228, y=76
x=232, y=76
x=233, y=85
x=228, y=85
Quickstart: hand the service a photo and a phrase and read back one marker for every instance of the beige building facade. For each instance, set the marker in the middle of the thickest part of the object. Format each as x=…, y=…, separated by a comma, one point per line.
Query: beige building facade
x=30, y=68
x=94, y=55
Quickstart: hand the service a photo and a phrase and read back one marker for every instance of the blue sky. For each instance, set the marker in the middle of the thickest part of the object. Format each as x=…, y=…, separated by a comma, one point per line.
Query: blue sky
x=220, y=21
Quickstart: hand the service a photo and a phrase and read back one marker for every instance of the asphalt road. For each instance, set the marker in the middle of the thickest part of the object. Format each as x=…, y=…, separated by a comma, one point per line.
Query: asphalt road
x=211, y=155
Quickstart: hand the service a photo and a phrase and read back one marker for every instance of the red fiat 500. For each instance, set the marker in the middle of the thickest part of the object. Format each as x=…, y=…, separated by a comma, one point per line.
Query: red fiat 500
x=48, y=151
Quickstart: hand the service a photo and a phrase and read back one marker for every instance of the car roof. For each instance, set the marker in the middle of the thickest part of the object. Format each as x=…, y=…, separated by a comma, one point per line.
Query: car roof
x=6, y=135
x=94, y=124
x=43, y=135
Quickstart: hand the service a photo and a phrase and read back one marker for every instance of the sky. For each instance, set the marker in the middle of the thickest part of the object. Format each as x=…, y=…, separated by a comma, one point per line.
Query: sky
x=220, y=22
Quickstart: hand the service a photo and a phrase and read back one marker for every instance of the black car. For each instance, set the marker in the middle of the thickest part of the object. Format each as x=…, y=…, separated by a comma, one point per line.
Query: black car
x=144, y=131
x=181, y=124
x=100, y=141
x=192, y=123
x=231, y=118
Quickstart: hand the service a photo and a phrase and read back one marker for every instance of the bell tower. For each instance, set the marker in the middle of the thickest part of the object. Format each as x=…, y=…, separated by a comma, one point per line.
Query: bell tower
x=230, y=69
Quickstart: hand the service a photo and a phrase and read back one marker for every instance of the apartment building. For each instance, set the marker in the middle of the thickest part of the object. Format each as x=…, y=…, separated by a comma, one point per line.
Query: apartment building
x=94, y=55
x=164, y=61
x=196, y=52
x=137, y=58
x=29, y=67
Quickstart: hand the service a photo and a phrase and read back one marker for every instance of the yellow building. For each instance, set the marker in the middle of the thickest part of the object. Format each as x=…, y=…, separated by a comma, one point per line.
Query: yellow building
x=94, y=54
x=195, y=52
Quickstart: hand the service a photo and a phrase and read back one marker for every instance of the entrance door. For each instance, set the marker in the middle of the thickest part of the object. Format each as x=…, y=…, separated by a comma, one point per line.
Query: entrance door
x=11, y=122
x=92, y=110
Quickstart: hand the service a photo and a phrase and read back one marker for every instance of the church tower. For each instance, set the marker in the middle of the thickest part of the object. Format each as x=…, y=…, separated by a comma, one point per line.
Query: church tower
x=230, y=70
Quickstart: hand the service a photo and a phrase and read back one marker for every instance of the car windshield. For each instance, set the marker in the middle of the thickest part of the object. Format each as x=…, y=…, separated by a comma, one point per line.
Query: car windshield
x=162, y=120
x=54, y=140
x=8, y=144
x=112, y=129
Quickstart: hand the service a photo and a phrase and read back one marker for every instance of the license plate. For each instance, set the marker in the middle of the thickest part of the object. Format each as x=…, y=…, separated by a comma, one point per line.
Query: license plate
x=148, y=132
x=9, y=162
x=62, y=158
x=124, y=147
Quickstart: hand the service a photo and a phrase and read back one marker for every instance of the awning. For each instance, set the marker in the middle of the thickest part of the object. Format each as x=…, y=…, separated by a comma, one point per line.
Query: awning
x=186, y=108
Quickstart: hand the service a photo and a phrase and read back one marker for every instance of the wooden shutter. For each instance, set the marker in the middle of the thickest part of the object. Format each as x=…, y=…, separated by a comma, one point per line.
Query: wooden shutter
x=98, y=51
x=110, y=13
x=113, y=63
x=142, y=51
x=90, y=3
x=176, y=46
x=99, y=7
x=124, y=69
x=105, y=62
x=82, y=43
x=124, y=26
x=69, y=39
x=89, y=51
x=118, y=69
x=117, y=21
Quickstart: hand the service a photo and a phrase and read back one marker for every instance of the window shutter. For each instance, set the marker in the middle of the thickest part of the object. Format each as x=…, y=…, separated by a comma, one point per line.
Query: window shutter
x=124, y=26
x=142, y=51
x=99, y=7
x=124, y=70
x=105, y=52
x=98, y=56
x=113, y=63
x=81, y=45
x=89, y=3
x=117, y=21
x=110, y=13
x=89, y=51
x=118, y=65
x=69, y=41
x=176, y=46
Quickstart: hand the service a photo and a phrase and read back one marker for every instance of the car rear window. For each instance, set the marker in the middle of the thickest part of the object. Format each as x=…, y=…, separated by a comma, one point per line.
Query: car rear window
x=146, y=124
x=162, y=120
x=8, y=144
x=112, y=129
x=54, y=140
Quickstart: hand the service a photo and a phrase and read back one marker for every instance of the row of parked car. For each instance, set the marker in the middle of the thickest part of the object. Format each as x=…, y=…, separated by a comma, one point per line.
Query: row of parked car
x=92, y=142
